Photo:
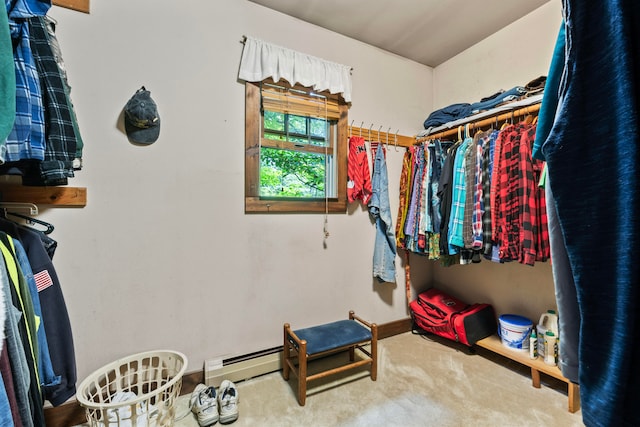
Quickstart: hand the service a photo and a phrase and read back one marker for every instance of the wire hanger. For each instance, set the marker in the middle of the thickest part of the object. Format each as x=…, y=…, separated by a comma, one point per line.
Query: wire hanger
x=49, y=226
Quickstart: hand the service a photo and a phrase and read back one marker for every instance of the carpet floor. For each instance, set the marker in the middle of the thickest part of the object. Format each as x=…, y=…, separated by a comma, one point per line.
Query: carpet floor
x=422, y=381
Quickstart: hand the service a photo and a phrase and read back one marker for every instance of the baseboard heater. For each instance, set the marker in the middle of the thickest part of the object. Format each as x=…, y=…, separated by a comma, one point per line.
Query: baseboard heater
x=242, y=367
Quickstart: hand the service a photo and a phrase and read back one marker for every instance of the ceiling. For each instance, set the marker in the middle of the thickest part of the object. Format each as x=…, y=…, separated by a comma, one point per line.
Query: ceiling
x=426, y=31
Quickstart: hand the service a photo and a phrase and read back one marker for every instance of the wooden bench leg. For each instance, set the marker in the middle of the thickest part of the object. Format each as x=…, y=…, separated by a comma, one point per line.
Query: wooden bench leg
x=302, y=373
x=374, y=351
x=535, y=377
x=286, y=353
x=574, y=397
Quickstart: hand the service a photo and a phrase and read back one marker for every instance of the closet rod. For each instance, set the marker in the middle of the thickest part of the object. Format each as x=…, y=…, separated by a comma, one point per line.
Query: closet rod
x=502, y=116
x=33, y=209
x=403, y=140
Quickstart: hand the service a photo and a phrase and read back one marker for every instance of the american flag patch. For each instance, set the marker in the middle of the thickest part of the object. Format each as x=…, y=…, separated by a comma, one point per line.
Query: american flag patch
x=43, y=280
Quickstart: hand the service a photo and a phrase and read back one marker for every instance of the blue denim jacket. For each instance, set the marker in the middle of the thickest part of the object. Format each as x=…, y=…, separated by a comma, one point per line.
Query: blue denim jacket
x=384, y=253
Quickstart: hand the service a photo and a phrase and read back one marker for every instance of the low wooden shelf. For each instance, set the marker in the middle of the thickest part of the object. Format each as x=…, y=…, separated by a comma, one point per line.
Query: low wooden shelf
x=494, y=344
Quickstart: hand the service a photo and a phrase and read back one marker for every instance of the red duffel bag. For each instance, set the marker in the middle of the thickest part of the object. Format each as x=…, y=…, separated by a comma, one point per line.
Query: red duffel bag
x=438, y=313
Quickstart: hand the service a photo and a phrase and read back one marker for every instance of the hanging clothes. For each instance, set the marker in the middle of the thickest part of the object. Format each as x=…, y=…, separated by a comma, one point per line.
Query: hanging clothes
x=565, y=288
x=384, y=254
x=358, y=175
x=445, y=194
x=458, y=198
x=56, y=318
x=16, y=377
x=56, y=50
x=488, y=152
x=599, y=130
x=405, y=195
x=436, y=158
x=7, y=83
x=484, y=189
x=37, y=361
x=411, y=226
x=519, y=216
x=43, y=144
x=45, y=367
x=60, y=147
x=25, y=346
x=27, y=138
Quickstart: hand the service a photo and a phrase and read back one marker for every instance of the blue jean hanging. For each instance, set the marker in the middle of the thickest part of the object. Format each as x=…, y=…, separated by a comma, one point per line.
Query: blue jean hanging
x=384, y=253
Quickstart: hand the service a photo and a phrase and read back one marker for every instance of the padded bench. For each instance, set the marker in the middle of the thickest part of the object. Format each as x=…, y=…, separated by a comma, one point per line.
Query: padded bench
x=304, y=344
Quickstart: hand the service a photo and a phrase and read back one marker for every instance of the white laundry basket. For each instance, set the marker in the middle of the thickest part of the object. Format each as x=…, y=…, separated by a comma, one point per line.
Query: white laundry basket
x=138, y=391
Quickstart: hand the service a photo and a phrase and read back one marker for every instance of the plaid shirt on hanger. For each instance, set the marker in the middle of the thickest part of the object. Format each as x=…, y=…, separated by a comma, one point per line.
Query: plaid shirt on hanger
x=507, y=210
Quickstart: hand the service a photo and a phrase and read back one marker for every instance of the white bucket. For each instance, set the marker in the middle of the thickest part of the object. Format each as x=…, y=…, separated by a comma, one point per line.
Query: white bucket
x=514, y=331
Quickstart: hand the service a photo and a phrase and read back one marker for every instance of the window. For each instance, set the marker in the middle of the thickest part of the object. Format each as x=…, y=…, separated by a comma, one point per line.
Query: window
x=296, y=150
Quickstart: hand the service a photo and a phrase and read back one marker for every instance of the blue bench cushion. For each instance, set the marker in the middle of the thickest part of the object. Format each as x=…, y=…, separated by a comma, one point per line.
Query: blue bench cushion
x=333, y=335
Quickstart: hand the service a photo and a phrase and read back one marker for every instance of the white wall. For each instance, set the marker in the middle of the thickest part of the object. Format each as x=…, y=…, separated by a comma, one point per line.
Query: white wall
x=511, y=57
x=163, y=255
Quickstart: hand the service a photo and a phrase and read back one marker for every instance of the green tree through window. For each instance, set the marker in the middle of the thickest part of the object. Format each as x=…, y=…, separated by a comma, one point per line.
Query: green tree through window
x=296, y=145
x=293, y=173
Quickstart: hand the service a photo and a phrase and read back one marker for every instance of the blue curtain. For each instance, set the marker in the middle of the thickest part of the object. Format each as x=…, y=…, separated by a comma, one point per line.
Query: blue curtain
x=593, y=158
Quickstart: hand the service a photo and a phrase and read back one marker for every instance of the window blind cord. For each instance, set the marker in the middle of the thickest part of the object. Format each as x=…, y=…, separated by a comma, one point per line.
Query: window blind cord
x=325, y=229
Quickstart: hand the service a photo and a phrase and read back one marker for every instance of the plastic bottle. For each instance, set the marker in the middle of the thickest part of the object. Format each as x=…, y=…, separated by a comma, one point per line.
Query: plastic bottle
x=550, y=348
x=533, y=344
x=548, y=322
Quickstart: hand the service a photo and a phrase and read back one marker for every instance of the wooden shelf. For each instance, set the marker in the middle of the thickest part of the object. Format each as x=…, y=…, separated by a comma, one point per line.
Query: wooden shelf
x=79, y=5
x=494, y=344
x=75, y=197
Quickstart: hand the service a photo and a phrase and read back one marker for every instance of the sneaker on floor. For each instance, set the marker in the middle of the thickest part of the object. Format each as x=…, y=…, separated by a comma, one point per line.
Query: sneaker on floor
x=228, y=402
x=204, y=404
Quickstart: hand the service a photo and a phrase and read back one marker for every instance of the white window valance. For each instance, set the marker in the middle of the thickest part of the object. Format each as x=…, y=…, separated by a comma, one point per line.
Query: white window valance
x=261, y=60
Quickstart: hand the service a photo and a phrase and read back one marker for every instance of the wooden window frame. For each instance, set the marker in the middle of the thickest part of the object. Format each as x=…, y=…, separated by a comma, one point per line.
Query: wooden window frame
x=253, y=202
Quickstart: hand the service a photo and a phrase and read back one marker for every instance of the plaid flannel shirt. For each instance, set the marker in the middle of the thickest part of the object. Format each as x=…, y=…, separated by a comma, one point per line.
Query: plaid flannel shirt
x=470, y=180
x=456, y=220
x=27, y=138
x=60, y=147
